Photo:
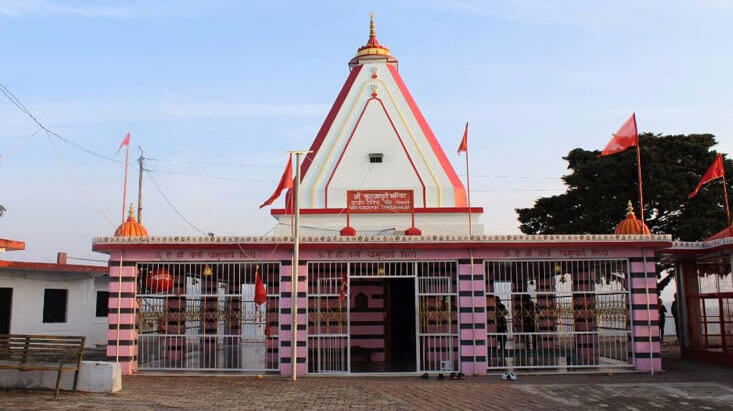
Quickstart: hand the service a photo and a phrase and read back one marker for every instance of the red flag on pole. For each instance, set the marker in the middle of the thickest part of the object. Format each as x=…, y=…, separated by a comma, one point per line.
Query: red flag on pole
x=125, y=142
x=627, y=136
x=464, y=141
x=715, y=171
x=344, y=287
x=260, y=293
x=286, y=181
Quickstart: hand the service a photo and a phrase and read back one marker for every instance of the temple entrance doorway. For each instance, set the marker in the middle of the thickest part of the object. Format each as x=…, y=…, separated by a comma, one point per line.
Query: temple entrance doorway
x=399, y=314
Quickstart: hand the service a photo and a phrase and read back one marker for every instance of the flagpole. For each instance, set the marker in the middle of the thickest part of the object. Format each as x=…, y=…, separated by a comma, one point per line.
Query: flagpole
x=295, y=266
x=638, y=167
x=468, y=188
x=124, y=187
x=725, y=193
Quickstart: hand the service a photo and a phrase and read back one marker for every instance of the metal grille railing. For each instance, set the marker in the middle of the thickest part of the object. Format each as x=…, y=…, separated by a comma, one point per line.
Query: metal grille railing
x=203, y=316
x=328, y=313
x=558, y=314
x=437, y=313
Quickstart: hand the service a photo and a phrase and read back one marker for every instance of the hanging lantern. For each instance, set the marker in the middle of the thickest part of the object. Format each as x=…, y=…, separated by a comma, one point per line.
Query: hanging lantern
x=208, y=272
x=159, y=281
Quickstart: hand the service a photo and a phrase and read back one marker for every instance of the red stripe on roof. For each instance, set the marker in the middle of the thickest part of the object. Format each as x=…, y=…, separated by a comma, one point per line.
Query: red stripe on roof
x=458, y=188
x=329, y=121
x=74, y=268
x=11, y=245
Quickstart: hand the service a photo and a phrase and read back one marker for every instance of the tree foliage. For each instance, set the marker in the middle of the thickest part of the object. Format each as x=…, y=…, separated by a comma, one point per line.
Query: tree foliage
x=598, y=190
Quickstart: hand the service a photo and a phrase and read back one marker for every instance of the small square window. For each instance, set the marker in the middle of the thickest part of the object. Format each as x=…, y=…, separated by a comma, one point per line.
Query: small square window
x=375, y=157
x=102, y=301
x=54, y=305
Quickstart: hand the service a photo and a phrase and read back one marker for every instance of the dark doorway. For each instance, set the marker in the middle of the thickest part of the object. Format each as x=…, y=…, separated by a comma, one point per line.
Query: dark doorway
x=400, y=345
x=6, y=300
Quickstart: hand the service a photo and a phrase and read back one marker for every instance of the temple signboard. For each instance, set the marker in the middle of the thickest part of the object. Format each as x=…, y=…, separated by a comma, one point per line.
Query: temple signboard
x=379, y=201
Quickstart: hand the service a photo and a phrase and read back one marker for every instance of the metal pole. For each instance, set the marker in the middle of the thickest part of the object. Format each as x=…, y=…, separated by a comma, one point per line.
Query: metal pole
x=140, y=187
x=296, y=265
x=124, y=186
x=725, y=192
x=468, y=189
x=638, y=166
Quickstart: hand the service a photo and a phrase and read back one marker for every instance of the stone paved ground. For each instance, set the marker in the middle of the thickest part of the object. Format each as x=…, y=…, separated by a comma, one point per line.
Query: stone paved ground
x=685, y=385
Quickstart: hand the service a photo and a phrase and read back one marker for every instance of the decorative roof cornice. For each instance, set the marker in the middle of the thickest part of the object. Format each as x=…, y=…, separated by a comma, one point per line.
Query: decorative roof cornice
x=433, y=239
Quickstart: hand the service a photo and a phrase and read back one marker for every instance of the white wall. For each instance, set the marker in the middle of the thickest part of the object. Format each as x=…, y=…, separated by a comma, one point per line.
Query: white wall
x=26, y=315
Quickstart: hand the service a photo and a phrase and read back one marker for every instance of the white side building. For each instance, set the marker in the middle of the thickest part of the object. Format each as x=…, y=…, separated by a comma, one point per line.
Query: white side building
x=54, y=299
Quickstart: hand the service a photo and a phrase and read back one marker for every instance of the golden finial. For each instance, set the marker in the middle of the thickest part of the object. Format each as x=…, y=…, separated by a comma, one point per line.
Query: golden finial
x=629, y=209
x=132, y=212
x=372, y=31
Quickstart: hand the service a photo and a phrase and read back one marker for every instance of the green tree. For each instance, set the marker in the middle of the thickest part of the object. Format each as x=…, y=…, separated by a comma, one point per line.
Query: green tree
x=599, y=188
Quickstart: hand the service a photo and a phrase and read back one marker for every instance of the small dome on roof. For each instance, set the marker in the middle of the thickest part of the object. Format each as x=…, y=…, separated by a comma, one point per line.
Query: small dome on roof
x=131, y=228
x=631, y=224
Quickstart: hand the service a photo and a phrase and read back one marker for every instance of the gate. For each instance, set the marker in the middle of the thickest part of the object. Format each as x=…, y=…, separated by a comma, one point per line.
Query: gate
x=329, y=313
x=205, y=316
x=438, y=322
x=558, y=314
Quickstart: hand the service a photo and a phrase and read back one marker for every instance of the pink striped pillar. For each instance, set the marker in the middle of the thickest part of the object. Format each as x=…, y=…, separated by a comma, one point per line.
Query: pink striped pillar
x=122, y=332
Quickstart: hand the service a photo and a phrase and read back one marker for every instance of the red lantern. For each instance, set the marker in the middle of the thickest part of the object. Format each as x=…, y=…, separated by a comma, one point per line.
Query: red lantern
x=159, y=281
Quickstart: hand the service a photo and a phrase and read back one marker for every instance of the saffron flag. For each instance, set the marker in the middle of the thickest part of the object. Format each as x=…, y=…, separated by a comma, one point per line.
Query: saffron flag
x=344, y=287
x=260, y=293
x=464, y=142
x=715, y=171
x=286, y=181
x=125, y=142
x=626, y=137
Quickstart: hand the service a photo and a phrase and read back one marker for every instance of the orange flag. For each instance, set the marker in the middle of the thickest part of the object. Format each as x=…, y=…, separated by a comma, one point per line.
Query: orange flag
x=286, y=181
x=260, y=293
x=125, y=142
x=715, y=171
x=464, y=142
x=627, y=136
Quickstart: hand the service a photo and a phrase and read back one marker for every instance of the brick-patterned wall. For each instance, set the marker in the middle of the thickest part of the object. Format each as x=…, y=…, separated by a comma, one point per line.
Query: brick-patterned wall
x=122, y=295
x=645, y=323
x=472, y=317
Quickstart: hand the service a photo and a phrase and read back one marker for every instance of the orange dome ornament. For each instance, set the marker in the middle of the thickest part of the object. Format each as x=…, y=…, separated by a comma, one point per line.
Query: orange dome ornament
x=131, y=228
x=631, y=224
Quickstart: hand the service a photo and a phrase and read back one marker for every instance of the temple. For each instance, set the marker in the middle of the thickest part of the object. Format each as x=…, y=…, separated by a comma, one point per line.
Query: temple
x=411, y=288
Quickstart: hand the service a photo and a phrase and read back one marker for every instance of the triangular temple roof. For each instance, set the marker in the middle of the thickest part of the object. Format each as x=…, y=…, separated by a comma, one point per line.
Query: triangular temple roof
x=375, y=114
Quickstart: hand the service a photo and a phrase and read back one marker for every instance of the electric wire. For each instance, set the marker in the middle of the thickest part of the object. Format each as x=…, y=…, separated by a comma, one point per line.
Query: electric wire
x=167, y=200
x=19, y=104
x=76, y=183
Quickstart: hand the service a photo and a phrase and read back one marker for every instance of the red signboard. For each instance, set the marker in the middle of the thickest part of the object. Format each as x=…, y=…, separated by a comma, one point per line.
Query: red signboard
x=379, y=201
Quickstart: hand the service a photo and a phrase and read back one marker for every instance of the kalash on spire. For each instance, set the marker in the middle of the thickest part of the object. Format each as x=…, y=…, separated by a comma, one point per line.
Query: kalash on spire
x=375, y=139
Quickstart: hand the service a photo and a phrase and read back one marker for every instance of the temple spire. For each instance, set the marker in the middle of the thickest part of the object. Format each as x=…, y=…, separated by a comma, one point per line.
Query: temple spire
x=372, y=46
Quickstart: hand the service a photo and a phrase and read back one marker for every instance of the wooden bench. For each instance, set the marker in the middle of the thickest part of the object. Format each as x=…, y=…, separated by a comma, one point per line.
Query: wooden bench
x=42, y=353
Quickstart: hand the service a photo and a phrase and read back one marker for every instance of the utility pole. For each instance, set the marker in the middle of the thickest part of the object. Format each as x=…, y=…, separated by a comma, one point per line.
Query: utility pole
x=140, y=160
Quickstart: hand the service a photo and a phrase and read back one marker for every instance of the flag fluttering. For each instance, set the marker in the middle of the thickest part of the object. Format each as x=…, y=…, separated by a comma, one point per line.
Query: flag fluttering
x=125, y=142
x=344, y=287
x=463, y=147
x=286, y=182
x=626, y=137
x=260, y=292
x=715, y=171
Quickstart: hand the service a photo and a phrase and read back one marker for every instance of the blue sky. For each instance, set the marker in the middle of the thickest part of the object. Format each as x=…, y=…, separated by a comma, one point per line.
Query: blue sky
x=241, y=82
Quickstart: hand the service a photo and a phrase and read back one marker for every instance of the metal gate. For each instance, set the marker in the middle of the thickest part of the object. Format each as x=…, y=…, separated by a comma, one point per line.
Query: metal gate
x=329, y=312
x=558, y=314
x=438, y=322
x=208, y=316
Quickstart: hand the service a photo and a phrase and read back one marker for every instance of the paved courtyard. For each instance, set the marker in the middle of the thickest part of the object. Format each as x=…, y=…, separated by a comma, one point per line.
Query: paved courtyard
x=684, y=386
